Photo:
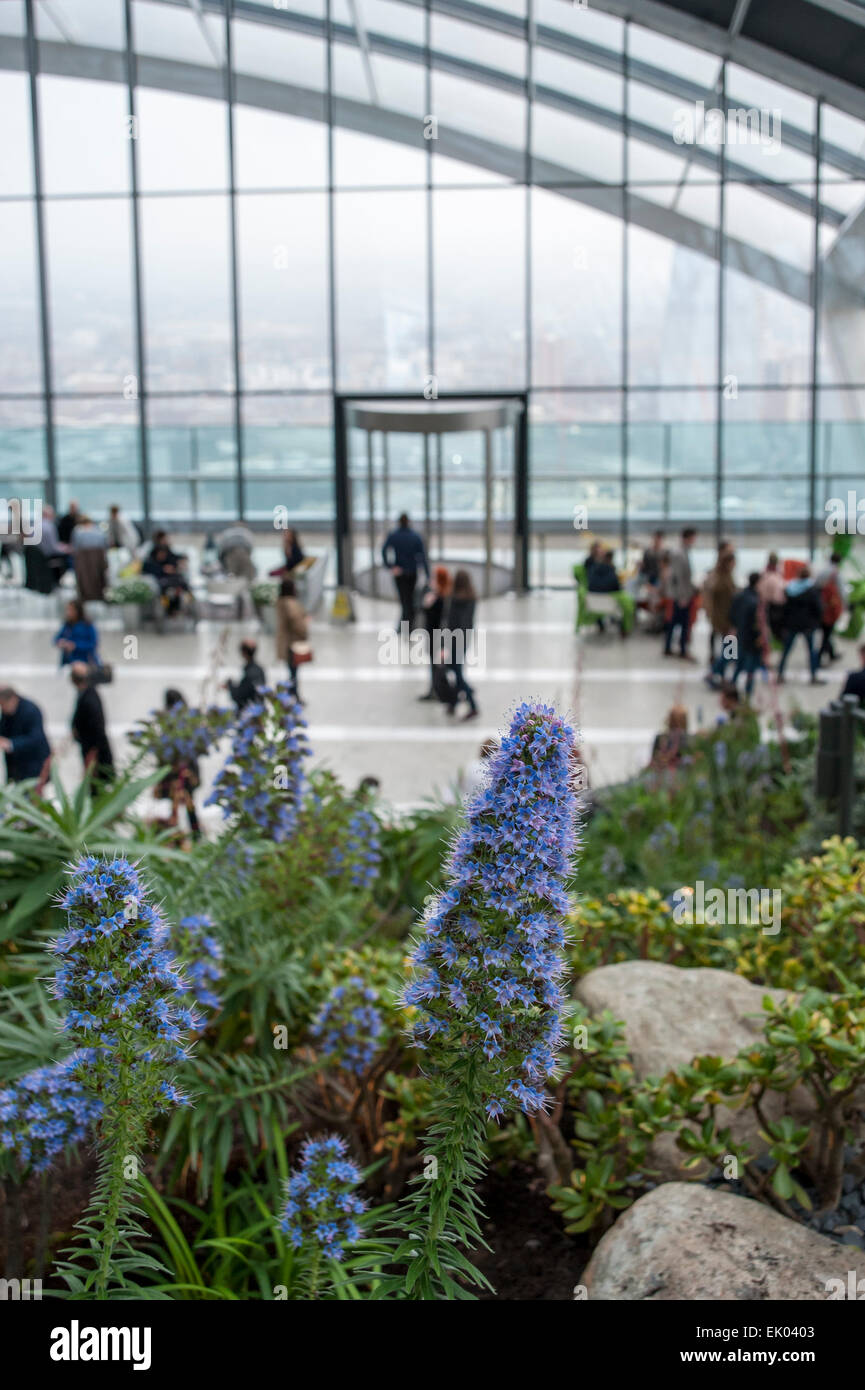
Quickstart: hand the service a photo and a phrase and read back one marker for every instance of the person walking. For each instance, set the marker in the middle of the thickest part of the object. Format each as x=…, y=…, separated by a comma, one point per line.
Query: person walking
x=22, y=739
x=750, y=642
x=403, y=554
x=252, y=677
x=88, y=725
x=459, y=623
x=433, y=604
x=719, y=591
x=832, y=591
x=682, y=592
x=292, y=628
x=803, y=614
x=77, y=639
x=771, y=592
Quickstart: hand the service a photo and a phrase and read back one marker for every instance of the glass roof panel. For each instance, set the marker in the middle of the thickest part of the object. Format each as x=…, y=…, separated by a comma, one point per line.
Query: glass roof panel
x=669, y=55
x=167, y=31
x=265, y=51
x=12, y=20
x=577, y=146
x=98, y=23
x=586, y=81
x=749, y=89
x=753, y=216
x=479, y=45
x=582, y=22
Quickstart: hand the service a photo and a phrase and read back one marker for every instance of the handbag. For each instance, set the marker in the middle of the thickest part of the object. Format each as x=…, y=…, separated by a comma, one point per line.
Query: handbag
x=300, y=652
x=101, y=673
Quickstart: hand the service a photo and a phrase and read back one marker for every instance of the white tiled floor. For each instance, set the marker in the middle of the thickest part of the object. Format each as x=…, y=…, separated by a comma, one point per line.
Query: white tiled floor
x=364, y=715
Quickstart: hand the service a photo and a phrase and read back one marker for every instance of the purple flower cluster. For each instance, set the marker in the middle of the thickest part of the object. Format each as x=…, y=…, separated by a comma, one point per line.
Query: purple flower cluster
x=360, y=851
x=45, y=1112
x=201, y=955
x=180, y=734
x=320, y=1203
x=125, y=995
x=348, y=1025
x=262, y=781
x=486, y=970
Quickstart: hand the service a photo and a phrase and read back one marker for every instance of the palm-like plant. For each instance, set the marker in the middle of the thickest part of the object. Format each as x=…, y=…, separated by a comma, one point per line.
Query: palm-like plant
x=39, y=837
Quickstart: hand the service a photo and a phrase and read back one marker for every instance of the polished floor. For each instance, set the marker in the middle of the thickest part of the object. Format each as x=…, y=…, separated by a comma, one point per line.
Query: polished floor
x=362, y=705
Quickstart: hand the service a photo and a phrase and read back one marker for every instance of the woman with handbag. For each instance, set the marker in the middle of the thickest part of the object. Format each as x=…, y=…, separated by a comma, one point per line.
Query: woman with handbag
x=292, y=631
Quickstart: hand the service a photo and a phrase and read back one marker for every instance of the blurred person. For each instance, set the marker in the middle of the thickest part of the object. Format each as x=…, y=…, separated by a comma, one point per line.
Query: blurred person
x=673, y=741
x=163, y=565
x=292, y=628
x=476, y=775
x=771, y=591
x=88, y=725
x=682, y=592
x=252, y=677
x=803, y=612
x=750, y=640
x=596, y=550
x=459, y=621
x=719, y=590
x=10, y=530
x=120, y=532
x=91, y=564
x=603, y=579
x=56, y=553
x=22, y=739
x=833, y=596
x=235, y=546
x=432, y=607
x=403, y=554
x=855, y=683
x=77, y=639
x=184, y=778
x=67, y=523
x=650, y=565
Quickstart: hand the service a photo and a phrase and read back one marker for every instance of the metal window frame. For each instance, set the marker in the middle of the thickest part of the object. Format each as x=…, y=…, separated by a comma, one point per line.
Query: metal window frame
x=531, y=175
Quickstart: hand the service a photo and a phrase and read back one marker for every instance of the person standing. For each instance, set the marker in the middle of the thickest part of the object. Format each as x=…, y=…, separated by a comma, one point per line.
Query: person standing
x=252, y=677
x=719, y=590
x=650, y=567
x=121, y=533
x=745, y=616
x=682, y=592
x=292, y=628
x=91, y=564
x=832, y=591
x=77, y=639
x=459, y=624
x=22, y=739
x=403, y=554
x=803, y=613
x=67, y=523
x=433, y=604
x=88, y=725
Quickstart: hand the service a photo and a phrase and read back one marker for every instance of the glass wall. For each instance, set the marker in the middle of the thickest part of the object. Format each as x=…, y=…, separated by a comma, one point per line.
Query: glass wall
x=239, y=211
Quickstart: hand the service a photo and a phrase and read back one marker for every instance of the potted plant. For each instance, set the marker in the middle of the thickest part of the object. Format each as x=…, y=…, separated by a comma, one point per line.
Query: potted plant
x=131, y=596
x=263, y=596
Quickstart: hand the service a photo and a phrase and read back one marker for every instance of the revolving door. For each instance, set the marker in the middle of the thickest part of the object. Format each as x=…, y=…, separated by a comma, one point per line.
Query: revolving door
x=457, y=466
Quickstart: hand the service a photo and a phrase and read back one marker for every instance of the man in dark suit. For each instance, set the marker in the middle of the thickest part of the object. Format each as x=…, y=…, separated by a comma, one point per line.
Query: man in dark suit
x=88, y=725
x=22, y=738
x=856, y=680
x=252, y=677
x=403, y=553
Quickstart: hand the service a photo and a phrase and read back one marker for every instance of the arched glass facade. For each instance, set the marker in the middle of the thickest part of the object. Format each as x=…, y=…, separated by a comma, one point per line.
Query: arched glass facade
x=216, y=220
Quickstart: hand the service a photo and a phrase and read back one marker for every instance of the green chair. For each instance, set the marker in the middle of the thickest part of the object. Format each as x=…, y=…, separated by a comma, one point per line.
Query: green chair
x=591, y=607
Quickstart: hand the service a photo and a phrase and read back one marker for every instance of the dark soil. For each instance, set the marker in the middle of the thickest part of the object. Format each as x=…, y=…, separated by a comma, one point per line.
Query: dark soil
x=37, y=1218
x=532, y=1259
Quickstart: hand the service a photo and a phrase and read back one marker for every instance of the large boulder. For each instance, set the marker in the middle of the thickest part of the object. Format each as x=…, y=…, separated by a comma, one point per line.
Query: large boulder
x=671, y=1015
x=691, y=1243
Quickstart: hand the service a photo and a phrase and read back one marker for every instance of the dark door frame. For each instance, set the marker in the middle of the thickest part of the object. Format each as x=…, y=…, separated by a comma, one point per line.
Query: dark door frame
x=341, y=401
